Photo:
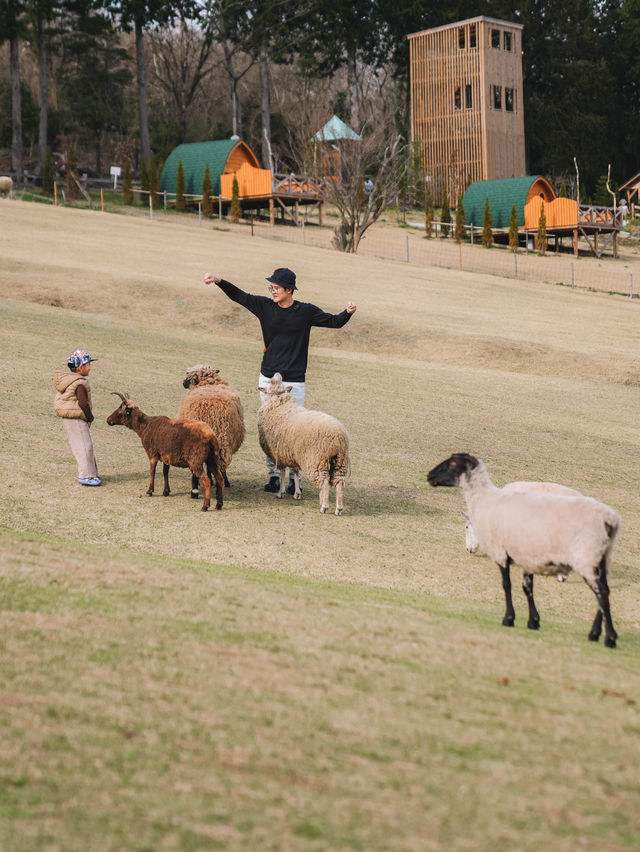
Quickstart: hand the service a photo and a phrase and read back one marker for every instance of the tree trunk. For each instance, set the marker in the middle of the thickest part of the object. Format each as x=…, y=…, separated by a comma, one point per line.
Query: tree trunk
x=266, y=105
x=352, y=84
x=44, y=95
x=143, y=115
x=237, y=109
x=17, y=153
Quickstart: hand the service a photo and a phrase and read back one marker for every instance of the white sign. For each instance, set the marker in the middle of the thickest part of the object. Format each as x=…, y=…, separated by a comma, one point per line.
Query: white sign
x=116, y=171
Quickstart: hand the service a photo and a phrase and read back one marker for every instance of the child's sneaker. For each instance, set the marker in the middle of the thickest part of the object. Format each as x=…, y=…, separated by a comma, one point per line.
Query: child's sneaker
x=94, y=480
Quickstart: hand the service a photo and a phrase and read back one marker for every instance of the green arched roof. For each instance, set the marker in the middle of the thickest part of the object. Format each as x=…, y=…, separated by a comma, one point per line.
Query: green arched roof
x=195, y=156
x=502, y=195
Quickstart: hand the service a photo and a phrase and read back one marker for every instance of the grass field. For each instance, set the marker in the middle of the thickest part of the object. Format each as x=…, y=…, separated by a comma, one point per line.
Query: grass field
x=267, y=677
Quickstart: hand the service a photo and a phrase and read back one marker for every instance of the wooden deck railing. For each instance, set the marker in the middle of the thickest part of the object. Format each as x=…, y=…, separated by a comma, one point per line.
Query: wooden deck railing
x=604, y=217
x=297, y=185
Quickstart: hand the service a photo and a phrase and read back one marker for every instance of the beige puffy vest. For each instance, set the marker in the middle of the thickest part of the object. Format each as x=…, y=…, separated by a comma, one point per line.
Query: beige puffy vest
x=66, y=402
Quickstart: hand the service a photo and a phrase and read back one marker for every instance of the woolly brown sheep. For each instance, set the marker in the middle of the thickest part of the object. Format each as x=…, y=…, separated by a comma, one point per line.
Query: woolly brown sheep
x=181, y=443
x=212, y=400
x=6, y=186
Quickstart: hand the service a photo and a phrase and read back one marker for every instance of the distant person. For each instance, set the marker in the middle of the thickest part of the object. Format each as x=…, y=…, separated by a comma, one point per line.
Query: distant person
x=73, y=403
x=286, y=327
x=624, y=211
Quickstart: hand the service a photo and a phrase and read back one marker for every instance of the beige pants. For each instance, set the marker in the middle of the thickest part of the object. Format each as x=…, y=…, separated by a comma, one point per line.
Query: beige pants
x=79, y=436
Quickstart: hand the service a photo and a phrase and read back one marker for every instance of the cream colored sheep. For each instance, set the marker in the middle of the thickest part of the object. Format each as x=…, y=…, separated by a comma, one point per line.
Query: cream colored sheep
x=212, y=399
x=471, y=540
x=542, y=533
x=6, y=186
x=303, y=440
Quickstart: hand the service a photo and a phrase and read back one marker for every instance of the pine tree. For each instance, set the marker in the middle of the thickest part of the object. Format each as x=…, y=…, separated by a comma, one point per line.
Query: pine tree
x=445, y=214
x=601, y=195
x=48, y=175
x=513, y=229
x=127, y=184
x=487, y=224
x=458, y=231
x=144, y=183
x=563, y=189
x=542, y=231
x=429, y=214
x=181, y=187
x=236, y=207
x=207, y=189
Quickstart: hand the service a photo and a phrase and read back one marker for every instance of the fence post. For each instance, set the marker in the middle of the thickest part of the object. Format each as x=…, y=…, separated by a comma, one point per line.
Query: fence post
x=200, y=214
x=471, y=231
x=304, y=236
x=515, y=263
x=573, y=277
x=150, y=207
x=165, y=200
x=408, y=258
x=631, y=286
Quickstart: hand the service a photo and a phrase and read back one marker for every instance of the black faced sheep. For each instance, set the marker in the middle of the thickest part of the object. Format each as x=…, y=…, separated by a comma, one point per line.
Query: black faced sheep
x=542, y=533
x=303, y=440
x=212, y=400
x=181, y=443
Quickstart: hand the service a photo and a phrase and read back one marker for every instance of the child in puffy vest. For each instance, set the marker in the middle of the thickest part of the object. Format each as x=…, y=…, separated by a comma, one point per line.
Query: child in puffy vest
x=73, y=404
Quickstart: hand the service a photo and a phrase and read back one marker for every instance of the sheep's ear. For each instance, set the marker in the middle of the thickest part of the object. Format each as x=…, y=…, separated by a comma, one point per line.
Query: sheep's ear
x=288, y=389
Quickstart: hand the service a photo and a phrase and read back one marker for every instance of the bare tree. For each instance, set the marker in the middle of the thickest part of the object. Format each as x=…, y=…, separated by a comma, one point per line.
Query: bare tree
x=369, y=175
x=182, y=59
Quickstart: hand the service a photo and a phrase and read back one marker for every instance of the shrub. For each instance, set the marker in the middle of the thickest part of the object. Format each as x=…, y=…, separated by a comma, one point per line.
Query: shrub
x=127, y=184
x=236, y=207
x=487, y=224
x=458, y=231
x=513, y=229
x=429, y=214
x=181, y=187
x=207, y=189
x=445, y=214
x=542, y=231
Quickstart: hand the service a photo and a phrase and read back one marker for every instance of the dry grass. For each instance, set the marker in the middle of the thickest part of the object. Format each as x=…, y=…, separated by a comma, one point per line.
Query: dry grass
x=341, y=682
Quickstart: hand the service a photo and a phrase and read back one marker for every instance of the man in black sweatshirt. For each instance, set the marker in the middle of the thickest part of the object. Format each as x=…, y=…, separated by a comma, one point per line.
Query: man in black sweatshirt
x=286, y=327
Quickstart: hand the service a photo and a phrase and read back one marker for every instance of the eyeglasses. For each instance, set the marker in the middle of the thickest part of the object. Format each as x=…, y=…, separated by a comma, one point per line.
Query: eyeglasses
x=275, y=288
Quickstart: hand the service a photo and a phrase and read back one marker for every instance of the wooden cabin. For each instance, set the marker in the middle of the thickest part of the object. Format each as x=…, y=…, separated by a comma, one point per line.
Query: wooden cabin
x=467, y=120
x=564, y=217
x=258, y=188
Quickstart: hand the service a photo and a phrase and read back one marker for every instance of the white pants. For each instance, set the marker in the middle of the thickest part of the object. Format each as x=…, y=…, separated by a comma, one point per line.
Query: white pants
x=297, y=391
x=79, y=437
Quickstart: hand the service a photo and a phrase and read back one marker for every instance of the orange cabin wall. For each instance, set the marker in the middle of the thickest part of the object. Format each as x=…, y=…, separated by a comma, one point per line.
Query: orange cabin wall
x=559, y=213
x=252, y=181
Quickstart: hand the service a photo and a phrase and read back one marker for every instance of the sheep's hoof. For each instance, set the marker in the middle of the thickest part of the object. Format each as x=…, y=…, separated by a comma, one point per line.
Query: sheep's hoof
x=194, y=494
x=338, y=511
x=298, y=496
x=166, y=493
x=323, y=509
x=204, y=509
x=149, y=493
x=218, y=506
x=508, y=621
x=593, y=637
x=610, y=642
x=280, y=495
x=533, y=625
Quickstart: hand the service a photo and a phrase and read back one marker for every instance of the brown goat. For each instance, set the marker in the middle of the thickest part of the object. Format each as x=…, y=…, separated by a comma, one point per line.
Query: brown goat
x=181, y=443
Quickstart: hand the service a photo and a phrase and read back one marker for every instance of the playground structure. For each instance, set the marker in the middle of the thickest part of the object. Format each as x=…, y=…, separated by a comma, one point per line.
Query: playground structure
x=600, y=226
x=258, y=188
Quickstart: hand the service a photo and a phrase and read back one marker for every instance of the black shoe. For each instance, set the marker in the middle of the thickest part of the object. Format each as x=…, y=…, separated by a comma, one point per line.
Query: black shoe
x=273, y=485
x=291, y=487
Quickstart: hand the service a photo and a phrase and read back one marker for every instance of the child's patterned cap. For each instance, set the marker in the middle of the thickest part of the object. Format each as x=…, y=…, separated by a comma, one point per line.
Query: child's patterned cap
x=79, y=357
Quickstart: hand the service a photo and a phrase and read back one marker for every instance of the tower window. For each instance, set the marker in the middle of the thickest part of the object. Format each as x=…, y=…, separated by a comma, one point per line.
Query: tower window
x=497, y=97
x=472, y=35
x=467, y=96
x=508, y=99
x=457, y=98
x=506, y=41
x=461, y=38
x=495, y=39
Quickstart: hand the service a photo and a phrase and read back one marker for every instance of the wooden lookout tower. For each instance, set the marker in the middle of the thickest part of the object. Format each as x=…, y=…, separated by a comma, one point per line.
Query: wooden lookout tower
x=467, y=120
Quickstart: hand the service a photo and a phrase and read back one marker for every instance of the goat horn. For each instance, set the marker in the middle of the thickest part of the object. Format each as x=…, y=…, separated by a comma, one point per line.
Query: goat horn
x=116, y=393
